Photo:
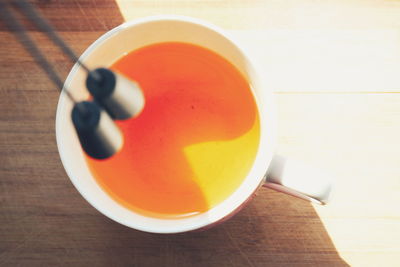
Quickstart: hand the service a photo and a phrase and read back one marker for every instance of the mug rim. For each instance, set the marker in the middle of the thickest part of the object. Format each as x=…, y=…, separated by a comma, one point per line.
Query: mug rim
x=267, y=151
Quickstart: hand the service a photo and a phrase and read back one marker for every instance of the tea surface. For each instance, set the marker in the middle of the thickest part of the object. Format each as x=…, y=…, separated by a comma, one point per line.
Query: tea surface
x=195, y=140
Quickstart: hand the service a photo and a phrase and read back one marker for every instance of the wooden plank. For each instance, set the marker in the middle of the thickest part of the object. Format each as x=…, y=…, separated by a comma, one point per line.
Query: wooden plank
x=355, y=137
x=329, y=46
x=301, y=46
x=268, y=14
x=325, y=60
x=82, y=15
x=290, y=60
x=311, y=60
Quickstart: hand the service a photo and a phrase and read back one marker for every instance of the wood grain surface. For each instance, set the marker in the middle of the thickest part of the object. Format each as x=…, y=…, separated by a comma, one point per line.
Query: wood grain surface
x=335, y=68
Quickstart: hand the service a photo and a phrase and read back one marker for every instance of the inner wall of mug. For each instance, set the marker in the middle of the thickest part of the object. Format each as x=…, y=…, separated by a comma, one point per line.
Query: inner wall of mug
x=105, y=51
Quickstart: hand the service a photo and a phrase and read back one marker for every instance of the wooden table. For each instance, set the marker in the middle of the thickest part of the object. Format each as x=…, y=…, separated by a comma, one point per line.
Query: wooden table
x=335, y=70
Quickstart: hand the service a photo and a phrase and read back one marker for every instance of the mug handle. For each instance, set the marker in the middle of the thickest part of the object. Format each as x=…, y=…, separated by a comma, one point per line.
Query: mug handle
x=299, y=180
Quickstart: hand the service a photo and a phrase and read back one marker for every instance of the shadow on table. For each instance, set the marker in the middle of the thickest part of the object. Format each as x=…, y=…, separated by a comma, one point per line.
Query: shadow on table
x=274, y=230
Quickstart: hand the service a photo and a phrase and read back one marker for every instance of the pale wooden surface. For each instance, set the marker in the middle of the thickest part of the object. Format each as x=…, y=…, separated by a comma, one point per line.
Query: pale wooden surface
x=335, y=68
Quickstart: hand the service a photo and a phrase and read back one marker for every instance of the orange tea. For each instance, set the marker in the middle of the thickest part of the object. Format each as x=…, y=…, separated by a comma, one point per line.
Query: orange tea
x=195, y=140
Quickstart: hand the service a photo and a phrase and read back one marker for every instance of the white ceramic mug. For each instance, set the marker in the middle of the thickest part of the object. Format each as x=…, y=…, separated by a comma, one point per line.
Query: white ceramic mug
x=268, y=169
